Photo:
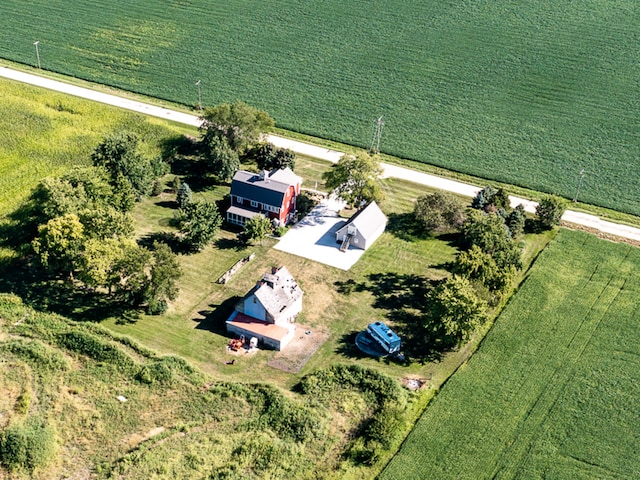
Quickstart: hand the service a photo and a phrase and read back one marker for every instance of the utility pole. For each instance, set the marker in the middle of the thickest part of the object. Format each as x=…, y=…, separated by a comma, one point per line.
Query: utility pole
x=375, y=141
x=581, y=176
x=199, y=96
x=37, y=52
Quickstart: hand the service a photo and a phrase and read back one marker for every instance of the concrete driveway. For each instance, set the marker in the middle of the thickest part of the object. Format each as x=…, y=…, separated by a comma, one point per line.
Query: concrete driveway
x=314, y=237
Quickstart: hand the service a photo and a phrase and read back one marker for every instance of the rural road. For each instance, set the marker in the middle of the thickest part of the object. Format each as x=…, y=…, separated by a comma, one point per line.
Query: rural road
x=582, y=219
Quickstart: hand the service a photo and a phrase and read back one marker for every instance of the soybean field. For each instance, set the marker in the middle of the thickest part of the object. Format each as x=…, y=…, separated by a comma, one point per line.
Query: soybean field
x=553, y=391
x=529, y=93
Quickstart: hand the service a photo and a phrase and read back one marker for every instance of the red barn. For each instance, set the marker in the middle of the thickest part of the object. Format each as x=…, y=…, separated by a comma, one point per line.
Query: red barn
x=272, y=194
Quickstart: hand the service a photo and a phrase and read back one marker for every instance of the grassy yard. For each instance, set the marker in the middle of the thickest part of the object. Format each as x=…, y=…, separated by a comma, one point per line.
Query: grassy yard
x=553, y=390
x=193, y=326
x=528, y=94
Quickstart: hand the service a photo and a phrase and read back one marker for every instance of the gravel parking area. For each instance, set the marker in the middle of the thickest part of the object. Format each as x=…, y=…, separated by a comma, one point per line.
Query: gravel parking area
x=314, y=237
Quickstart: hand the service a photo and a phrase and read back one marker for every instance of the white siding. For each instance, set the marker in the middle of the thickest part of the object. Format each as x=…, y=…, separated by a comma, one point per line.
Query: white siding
x=254, y=308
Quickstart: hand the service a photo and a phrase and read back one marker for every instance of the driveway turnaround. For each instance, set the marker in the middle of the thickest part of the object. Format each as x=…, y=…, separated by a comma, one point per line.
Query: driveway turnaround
x=314, y=237
x=433, y=181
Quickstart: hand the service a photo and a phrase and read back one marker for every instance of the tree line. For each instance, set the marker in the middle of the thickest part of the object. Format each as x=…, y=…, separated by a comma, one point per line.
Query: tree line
x=489, y=259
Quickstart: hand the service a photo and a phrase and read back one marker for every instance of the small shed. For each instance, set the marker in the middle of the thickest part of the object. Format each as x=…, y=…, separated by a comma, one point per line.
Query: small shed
x=362, y=229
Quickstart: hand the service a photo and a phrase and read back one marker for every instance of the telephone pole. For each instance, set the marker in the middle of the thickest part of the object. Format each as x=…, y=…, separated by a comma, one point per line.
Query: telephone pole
x=199, y=96
x=581, y=176
x=377, y=134
x=37, y=52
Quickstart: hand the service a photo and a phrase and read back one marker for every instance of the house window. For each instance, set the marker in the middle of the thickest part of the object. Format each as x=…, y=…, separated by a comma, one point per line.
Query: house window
x=239, y=199
x=355, y=240
x=254, y=204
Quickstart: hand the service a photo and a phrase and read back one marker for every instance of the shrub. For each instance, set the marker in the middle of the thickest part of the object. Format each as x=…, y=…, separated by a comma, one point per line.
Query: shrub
x=157, y=188
x=23, y=402
x=157, y=372
x=280, y=230
x=287, y=418
x=94, y=348
x=27, y=446
x=36, y=354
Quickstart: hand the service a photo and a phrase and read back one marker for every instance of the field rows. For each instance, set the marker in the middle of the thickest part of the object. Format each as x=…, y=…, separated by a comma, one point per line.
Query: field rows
x=528, y=94
x=553, y=390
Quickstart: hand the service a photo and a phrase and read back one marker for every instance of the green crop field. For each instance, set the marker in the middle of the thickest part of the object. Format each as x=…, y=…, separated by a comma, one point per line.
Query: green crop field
x=529, y=94
x=553, y=391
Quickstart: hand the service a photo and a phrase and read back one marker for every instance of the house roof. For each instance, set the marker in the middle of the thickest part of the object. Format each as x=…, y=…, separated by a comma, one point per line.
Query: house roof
x=285, y=175
x=368, y=220
x=243, y=212
x=258, y=327
x=277, y=291
x=265, y=187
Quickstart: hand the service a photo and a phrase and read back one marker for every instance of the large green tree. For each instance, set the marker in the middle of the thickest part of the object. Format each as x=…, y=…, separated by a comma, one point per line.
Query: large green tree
x=59, y=243
x=198, y=223
x=268, y=157
x=258, y=227
x=355, y=179
x=478, y=265
x=118, y=154
x=439, y=211
x=101, y=261
x=549, y=211
x=238, y=123
x=106, y=222
x=80, y=188
x=164, y=274
x=132, y=268
x=455, y=304
x=223, y=161
x=489, y=232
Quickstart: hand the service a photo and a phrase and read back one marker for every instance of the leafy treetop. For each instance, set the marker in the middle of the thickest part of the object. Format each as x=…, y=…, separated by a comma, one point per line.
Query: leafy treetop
x=355, y=179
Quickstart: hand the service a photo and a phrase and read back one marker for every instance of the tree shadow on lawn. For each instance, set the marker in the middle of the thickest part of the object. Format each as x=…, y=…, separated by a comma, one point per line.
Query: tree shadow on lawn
x=45, y=294
x=230, y=244
x=214, y=320
x=168, y=238
x=347, y=346
x=403, y=299
x=405, y=227
x=179, y=146
x=170, y=204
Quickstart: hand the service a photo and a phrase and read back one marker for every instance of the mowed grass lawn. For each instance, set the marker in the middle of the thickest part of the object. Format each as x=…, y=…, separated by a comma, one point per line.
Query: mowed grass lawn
x=554, y=390
x=194, y=326
x=528, y=94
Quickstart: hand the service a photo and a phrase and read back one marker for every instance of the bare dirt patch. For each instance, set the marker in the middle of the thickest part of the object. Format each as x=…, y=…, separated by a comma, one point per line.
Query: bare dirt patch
x=137, y=438
x=415, y=382
x=298, y=352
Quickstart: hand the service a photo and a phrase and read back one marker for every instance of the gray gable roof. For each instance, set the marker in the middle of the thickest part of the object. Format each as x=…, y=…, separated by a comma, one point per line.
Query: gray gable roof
x=368, y=220
x=264, y=187
x=277, y=291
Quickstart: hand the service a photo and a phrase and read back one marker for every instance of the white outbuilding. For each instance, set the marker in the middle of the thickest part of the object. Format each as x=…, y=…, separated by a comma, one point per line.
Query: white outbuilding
x=362, y=229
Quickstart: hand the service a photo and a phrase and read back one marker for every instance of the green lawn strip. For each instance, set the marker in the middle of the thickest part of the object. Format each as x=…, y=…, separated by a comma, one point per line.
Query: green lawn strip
x=525, y=399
